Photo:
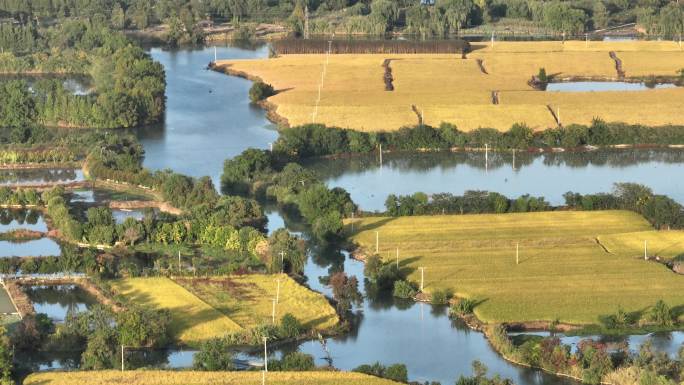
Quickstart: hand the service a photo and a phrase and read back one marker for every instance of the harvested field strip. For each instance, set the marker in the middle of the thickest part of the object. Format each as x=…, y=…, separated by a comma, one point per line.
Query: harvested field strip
x=313, y=46
x=192, y=320
x=247, y=299
x=618, y=64
x=563, y=272
x=156, y=377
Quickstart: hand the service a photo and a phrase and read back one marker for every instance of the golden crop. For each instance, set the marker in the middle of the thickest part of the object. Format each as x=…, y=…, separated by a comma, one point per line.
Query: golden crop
x=564, y=272
x=151, y=377
x=248, y=299
x=446, y=88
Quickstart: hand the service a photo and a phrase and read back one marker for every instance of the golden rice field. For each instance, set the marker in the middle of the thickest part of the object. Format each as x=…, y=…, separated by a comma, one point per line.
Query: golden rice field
x=563, y=273
x=248, y=299
x=446, y=88
x=151, y=377
x=192, y=320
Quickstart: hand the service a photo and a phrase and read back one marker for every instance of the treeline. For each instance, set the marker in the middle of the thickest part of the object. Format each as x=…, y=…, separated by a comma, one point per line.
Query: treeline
x=263, y=173
x=471, y=202
x=313, y=140
x=661, y=211
x=361, y=16
x=128, y=86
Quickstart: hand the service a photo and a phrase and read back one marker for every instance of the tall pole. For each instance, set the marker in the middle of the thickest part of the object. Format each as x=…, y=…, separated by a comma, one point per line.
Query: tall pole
x=265, y=356
x=422, y=278
x=282, y=262
x=397, y=258
x=377, y=242
x=273, y=311
x=517, y=253
x=514, y=159
x=486, y=157
x=122, y=358
x=215, y=55
x=278, y=292
x=179, y=261
x=645, y=250
x=492, y=39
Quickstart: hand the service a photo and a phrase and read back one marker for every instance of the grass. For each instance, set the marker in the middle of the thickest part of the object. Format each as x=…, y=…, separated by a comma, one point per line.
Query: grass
x=564, y=273
x=663, y=244
x=150, y=377
x=192, y=320
x=248, y=299
x=448, y=89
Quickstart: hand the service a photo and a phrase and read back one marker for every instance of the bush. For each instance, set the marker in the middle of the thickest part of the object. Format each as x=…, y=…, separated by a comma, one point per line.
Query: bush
x=214, y=355
x=463, y=307
x=440, y=297
x=295, y=362
x=290, y=327
x=260, y=91
x=403, y=289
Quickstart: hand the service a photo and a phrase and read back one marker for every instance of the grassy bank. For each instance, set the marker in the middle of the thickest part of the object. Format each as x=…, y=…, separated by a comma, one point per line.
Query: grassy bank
x=446, y=88
x=563, y=273
x=247, y=299
x=201, y=378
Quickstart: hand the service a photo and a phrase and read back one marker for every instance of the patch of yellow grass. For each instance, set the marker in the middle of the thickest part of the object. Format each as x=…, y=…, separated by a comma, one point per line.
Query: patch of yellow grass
x=664, y=244
x=446, y=88
x=248, y=299
x=192, y=320
x=563, y=273
x=155, y=377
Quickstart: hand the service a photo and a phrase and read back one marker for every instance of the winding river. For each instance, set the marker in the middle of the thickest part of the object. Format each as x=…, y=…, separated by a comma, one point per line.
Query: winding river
x=209, y=119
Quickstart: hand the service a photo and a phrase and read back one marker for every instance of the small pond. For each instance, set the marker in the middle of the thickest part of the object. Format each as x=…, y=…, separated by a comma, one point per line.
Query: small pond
x=604, y=86
x=43, y=247
x=103, y=195
x=120, y=215
x=24, y=177
x=25, y=219
x=58, y=300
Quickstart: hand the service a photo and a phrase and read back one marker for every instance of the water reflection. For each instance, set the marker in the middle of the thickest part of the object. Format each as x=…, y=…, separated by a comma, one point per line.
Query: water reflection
x=25, y=177
x=43, y=247
x=26, y=219
x=59, y=300
x=549, y=175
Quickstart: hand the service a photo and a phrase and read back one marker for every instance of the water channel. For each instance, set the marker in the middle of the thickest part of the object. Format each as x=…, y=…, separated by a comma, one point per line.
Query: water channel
x=209, y=119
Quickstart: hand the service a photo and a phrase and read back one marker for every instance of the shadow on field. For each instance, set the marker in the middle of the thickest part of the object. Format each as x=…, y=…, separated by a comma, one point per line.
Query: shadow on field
x=404, y=268
x=372, y=226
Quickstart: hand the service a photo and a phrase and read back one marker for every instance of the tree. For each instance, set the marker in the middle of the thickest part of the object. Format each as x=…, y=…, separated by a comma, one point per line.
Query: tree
x=456, y=13
x=260, y=91
x=561, y=17
x=345, y=291
x=17, y=108
x=214, y=355
x=290, y=327
x=6, y=358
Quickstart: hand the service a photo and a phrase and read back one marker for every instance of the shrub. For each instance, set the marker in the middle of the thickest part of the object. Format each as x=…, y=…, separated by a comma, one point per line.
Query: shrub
x=295, y=362
x=661, y=314
x=290, y=327
x=403, y=289
x=543, y=78
x=214, y=355
x=440, y=297
x=463, y=306
x=260, y=91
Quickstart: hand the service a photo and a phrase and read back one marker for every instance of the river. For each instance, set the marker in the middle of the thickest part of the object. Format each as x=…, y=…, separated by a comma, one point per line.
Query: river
x=209, y=119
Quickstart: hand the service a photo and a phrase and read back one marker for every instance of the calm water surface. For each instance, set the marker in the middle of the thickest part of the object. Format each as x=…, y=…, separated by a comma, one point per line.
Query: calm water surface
x=209, y=117
x=42, y=247
x=38, y=176
x=549, y=175
x=604, y=86
x=57, y=301
x=25, y=219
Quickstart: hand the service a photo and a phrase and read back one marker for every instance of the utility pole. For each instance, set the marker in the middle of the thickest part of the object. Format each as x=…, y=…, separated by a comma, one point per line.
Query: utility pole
x=179, y=261
x=352, y=221
x=486, y=157
x=492, y=39
x=273, y=311
x=122, y=358
x=422, y=278
x=278, y=292
x=586, y=40
x=645, y=250
x=265, y=356
x=514, y=159
x=397, y=258
x=270, y=145
x=377, y=242
x=215, y=55
x=306, y=21
x=517, y=253
x=558, y=116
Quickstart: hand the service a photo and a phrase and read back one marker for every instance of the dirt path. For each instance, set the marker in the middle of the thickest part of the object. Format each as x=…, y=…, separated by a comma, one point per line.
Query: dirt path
x=388, y=78
x=618, y=64
x=480, y=63
x=418, y=114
